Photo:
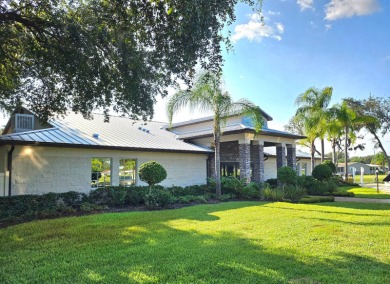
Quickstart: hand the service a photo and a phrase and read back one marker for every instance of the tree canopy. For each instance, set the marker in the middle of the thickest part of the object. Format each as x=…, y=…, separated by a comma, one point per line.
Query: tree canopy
x=98, y=54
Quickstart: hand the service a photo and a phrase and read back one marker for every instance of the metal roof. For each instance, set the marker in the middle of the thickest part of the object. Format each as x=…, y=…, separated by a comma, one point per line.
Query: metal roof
x=238, y=128
x=120, y=132
x=211, y=118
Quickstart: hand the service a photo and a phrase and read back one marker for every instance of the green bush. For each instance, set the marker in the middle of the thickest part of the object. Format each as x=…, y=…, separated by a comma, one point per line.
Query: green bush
x=322, y=172
x=331, y=165
x=273, y=182
x=344, y=194
x=190, y=199
x=317, y=199
x=158, y=199
x=152, y=173
x=111, y=196
x=189, y=190
x=293, y=193
x=272, y=194
x=239, y=187
x=135, y=195
x=89, y=207
x=287, y=176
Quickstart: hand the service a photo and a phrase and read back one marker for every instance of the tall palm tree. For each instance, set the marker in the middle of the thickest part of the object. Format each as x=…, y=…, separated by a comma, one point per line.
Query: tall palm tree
x=313, y=104
x=207, y=95
x=349, y=122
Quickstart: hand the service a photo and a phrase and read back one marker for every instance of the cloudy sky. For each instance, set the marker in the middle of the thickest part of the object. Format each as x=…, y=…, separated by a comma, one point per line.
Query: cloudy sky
x=344, y=44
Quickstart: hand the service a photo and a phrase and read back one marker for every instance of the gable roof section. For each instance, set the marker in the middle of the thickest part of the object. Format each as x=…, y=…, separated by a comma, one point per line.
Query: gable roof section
x=211, y=118
x=238, y=128
x=120, y=133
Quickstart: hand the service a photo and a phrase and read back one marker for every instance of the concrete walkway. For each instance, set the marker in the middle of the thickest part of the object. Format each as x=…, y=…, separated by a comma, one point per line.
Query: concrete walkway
x=364, y=200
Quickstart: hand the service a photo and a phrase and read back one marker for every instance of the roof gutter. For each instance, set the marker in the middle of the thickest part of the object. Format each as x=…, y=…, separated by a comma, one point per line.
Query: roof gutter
x=10, y=152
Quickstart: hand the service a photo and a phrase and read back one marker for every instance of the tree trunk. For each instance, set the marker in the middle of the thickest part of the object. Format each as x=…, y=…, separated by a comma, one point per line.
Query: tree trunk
x=217, y=136
x=312, y=153
x=382, y=148
x=334, y=157
x=322, y=150
x=346, y=153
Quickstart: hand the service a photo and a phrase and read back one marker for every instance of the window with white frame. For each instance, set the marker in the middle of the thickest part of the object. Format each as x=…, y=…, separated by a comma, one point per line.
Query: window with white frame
x=127, y=172
x=100, y=172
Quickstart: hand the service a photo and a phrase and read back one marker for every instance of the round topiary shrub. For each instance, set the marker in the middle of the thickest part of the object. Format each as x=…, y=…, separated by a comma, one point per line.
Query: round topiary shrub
x=152, y=173
x=322, y=172
x=331, y=165
x=287, y=176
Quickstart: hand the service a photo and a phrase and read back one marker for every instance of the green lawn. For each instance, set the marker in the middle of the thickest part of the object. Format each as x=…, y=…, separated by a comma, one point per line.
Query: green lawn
x=370, y=178
x=365, y=192
x=235, y=242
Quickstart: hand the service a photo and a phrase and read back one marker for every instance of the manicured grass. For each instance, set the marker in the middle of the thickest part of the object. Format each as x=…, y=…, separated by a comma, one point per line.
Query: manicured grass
x=370, y=178
x=235, y=242
x=364, y=192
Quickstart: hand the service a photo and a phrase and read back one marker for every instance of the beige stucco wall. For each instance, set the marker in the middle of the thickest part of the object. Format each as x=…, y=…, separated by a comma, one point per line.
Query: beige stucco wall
x=38, y=170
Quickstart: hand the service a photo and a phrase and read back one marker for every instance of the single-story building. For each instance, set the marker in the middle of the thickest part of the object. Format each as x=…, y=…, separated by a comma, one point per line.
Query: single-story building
x=73, y=153
x=356, y=167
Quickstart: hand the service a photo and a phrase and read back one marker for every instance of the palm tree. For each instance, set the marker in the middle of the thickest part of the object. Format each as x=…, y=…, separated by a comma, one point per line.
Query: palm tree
x=349, y=122
x=313, y=104
x=206, y=95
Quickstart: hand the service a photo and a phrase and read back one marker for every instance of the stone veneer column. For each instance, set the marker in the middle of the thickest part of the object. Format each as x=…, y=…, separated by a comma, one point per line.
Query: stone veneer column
x=245, y=159
x=291, y=156
x=258, y=161
x=280, y=155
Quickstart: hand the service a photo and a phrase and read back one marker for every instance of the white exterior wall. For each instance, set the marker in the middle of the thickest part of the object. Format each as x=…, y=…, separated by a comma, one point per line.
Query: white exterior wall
x=38, y=170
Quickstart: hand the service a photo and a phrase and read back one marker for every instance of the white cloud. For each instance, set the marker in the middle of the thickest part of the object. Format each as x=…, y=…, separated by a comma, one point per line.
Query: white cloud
x=305, y=4
x=328, y=27
x=280, y=27
x=338, y=9
x=256, y=30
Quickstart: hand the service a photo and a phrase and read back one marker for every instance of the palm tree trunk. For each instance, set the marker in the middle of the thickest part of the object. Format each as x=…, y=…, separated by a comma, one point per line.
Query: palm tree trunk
x=217, y=138
x=346, y=153
x=334, y=158
x=218, y=186
x=312, y=153
x=322, y=150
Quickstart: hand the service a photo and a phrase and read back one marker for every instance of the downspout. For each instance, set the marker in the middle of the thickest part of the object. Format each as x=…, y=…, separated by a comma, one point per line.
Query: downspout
x=10, y=169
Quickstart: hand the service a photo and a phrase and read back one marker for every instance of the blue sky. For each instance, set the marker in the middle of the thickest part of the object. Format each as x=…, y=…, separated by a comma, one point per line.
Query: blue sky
x=344, y=44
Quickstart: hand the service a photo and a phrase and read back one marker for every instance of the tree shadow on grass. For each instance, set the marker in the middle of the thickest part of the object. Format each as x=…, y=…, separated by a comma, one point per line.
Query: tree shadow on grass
x=181, y=246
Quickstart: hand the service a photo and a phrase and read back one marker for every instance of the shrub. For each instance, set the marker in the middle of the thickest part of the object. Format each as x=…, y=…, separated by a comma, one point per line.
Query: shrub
x=135, y=195
x=331, y=165
x=293, y=193
x=89, y=207
x=157, y=199
x=273, y=182
x=188, y=199
x=322, y=172
x=152, y=173
x=287, y=176
x=272, y=194
x=317, y=199
x=112, y=196
x=243, y=190
x=189, y=190
x=344, y=194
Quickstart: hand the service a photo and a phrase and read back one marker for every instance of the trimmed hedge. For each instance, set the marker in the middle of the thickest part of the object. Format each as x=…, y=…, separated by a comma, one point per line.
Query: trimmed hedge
x=316, y=199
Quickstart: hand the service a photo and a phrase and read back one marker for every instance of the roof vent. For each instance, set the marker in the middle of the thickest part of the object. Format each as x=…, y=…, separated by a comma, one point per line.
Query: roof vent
x=24, y=122
x=95, y=135
x=144, y=129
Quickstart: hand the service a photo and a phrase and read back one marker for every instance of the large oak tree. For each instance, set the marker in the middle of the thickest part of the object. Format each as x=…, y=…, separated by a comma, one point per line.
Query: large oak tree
x=82, y=55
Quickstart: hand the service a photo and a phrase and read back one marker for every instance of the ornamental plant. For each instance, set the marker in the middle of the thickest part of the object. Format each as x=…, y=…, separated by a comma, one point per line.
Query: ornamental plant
x=322, y=172
x=152, y=173
x=287, y=176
